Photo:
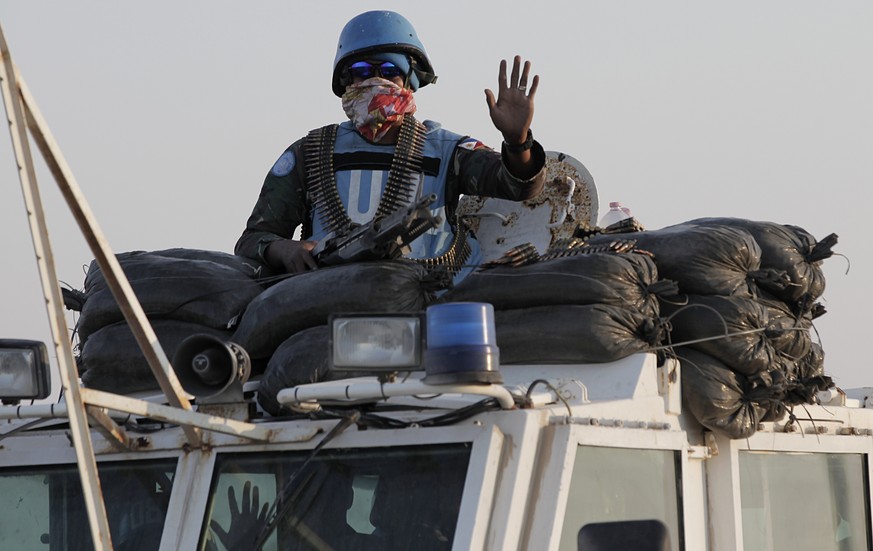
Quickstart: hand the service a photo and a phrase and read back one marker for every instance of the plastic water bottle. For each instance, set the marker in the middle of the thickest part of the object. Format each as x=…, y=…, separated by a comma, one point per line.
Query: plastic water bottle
x=615, y=214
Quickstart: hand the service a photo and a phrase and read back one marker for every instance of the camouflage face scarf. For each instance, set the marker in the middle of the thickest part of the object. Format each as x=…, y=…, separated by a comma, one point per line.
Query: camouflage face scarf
x=376, y=105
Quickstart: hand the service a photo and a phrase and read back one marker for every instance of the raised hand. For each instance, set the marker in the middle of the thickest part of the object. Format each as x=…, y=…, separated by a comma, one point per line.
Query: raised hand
x=512, y=111
x=246, y=521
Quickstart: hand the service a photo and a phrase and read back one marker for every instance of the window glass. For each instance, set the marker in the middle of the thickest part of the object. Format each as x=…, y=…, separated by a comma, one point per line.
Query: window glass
x=804, y=501
x=617, y=484
x=43, y=507
x=374, y=498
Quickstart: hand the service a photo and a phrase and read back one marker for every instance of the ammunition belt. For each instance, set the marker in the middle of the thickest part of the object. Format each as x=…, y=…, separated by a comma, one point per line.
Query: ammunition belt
x=405, y=171
x=321, y=179
x=400, y=188
x=525, y=254
x=455, y=256
x=575, y=246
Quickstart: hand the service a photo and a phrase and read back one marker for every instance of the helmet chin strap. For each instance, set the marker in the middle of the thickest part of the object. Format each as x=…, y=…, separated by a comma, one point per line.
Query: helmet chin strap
x=423, y=76
x=406, y=79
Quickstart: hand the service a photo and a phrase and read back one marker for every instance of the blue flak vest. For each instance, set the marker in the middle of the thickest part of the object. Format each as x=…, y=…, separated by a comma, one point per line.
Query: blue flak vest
x=361, y=178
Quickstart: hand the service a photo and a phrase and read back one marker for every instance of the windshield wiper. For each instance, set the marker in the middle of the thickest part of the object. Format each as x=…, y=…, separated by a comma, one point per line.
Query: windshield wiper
x=291, y=491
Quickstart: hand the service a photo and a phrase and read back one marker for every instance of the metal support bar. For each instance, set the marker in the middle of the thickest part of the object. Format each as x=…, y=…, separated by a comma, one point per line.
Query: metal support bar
x=110, y=429
x=175, y=415
x=114, y=275
x=142, y=408
x=54, y=304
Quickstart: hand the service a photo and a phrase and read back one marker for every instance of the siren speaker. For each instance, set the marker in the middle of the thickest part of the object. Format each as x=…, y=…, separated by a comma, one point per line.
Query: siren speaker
x=207, y=367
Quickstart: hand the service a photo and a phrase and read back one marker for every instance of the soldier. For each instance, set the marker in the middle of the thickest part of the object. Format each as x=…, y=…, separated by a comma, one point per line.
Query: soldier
x=384, y=159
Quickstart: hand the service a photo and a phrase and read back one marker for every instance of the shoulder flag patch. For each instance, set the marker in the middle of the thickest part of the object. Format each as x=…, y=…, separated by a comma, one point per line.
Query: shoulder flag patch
x=472, y=144
x=284, y=165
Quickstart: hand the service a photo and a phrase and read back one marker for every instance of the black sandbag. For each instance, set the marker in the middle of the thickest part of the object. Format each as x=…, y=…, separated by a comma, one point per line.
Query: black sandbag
x=245, y=265
x=111, y=359
x=196, y=291
x=626, y=280
x=787, y=331
x=306, y=300
x=570, y=334
x=811, y=365
x=736, y=329
x=807, y=377
x=786, y=248
x=717, y=396
x=302, y=359
x=768, y=392
x=702, y=260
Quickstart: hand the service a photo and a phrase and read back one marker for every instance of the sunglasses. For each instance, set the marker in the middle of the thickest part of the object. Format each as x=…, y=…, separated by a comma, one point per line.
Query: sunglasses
x=363, y=70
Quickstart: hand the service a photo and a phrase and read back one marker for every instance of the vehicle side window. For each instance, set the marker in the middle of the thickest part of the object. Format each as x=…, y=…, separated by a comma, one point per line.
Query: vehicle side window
x=804, y=501
x=44, y=507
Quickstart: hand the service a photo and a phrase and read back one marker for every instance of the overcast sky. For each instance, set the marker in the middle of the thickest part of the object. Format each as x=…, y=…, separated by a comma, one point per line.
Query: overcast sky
x=171, y=113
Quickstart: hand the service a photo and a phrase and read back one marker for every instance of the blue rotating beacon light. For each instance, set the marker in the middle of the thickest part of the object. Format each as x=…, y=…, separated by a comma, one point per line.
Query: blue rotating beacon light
x=461, y=344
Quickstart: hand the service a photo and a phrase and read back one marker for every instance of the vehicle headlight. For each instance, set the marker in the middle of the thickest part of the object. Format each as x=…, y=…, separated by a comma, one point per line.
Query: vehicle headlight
x=24, y=371
x=376, y=342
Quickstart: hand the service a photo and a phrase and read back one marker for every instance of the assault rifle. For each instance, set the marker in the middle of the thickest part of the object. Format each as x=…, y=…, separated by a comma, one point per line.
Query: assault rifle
x=382, y=239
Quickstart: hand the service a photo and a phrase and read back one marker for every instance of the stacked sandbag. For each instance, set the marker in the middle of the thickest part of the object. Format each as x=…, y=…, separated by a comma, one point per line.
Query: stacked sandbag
x=701, y=260
x=621, y=280
x=718, y=397
x=806, y=377
x=287, y=323
x=787, y=249
x=251, y=268
x=568, y=334
x=583, y=307
x=737, y=331
x=194, y=290
x=733, y=404
x=741, y=325
x=182, y=292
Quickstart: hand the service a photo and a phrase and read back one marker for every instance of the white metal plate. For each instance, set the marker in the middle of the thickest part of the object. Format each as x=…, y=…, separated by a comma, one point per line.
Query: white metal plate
x=568, y=200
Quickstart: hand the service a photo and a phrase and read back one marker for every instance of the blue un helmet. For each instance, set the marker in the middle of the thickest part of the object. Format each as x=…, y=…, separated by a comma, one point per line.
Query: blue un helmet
x=380, y=34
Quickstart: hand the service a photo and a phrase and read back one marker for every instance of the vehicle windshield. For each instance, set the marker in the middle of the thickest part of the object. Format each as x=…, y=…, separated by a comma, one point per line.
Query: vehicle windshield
x=366, y=498
x=624, y=484
x=43, y=507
